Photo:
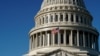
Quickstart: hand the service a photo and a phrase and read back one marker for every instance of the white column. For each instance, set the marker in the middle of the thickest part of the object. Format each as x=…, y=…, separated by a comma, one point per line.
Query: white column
x=43, y=39
x=53, y=36
x=83, y=39
x=36, y=41
x=70, y=39
x=95, y=43
x=92, y=42
x=48, y=2
x=68, y=1
x=33, y=41
x=40, y=38
x=71, y=1
x=59, y=1
x=56, y=1
x=30, y=44
x=77, y=38
x=63, y=1
x=53, y=17
x=59, y=42
x=51, y=2
x=59, y=17
x=89, y=40
x=69, y=17
x=48, y=39
x=49, y=18
x=65, y=37
x=74, y=16
x=64, y=17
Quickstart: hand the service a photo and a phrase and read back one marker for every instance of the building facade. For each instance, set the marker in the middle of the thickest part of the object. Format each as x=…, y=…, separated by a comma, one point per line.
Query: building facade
x=63, y=28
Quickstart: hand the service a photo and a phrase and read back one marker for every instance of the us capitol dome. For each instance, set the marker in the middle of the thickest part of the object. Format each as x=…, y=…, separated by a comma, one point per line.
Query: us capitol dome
x=63, y=28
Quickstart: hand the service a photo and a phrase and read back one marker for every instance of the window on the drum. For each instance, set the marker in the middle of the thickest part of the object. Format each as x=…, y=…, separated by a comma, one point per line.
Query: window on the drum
x=66, y=18
x=61, y=17
x=72, y=18
x=51, y=20
x=56, y=18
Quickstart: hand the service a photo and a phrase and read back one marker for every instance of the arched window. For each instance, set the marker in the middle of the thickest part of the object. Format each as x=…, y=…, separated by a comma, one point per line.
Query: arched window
x=43, y=19
x=85, y=20
x=40, y=21
x=51, y=18
x=61, y=17
x=81, y=18
x=62, y=36
x=56, y=18
x=72, y=18
x=66, y=17
x=67, y=37
x=46, y=19
x=77, y=18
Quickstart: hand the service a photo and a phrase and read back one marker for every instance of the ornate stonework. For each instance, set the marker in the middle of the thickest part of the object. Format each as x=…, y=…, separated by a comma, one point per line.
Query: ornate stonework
x=76, y=35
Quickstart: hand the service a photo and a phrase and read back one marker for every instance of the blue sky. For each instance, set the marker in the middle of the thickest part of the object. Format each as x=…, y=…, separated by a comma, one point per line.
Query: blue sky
x=16, y=19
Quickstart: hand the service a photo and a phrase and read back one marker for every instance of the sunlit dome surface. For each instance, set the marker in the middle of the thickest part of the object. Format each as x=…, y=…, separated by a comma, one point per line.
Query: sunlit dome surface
x=79, y=3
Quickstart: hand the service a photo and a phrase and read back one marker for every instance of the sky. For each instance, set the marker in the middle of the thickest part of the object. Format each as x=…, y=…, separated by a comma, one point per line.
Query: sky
x=16, y=20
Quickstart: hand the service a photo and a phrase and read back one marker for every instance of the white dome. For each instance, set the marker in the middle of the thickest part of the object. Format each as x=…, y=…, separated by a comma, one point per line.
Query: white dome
x=63, y=2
